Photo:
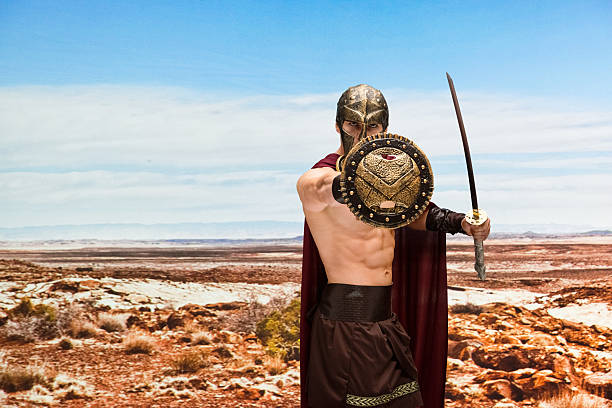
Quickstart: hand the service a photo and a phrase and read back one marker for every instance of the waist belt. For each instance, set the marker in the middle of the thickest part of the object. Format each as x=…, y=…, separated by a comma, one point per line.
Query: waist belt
x=355, y=303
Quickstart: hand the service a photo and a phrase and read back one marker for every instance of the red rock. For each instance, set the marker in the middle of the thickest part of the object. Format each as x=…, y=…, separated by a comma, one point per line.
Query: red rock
x=600, y=329
x=517, y=357
x=457, y=334
x=488, y=319
x=65, y=286
x=599, y=384
x=571, y=325
x=89, y=284
x=134, y=320
x=582, y=337
x=507, y=339
x=226, y=306
x=463, y=349
x=174, y=321
x=522, y=373
x=197, y=383
x=197, y=310
x=506, y=360
x=250, y=393
x=503, y=326
x=230, y=337
x=500, y=389
x=504, y=404
x=453, y=392
x=561, y=365
x=513, y=311
x=541, y=384
x=490, y=375
x=542, y=339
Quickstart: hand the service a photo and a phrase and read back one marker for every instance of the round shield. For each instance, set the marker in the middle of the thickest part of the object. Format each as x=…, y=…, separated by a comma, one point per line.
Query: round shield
x=386, y=180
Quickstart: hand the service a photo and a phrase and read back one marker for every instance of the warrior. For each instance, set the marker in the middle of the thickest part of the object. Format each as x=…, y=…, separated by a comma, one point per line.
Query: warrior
x=373, y=329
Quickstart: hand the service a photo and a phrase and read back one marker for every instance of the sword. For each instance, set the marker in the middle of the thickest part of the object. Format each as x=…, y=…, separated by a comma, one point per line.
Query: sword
x=478, y=216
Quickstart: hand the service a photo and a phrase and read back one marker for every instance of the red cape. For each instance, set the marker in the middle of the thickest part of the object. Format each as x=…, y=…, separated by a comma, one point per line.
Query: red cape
x=418, y=299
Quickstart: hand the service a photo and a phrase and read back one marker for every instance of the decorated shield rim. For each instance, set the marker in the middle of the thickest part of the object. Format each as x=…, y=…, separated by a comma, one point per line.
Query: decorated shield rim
x=349, y=192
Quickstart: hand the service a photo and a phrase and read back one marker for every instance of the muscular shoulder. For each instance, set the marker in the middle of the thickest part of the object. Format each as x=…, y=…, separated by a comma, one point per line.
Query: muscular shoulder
x=314, y=188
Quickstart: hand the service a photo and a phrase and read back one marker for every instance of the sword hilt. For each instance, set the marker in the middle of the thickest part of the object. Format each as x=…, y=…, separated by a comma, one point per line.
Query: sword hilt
x=478, y=217
x=479, y=264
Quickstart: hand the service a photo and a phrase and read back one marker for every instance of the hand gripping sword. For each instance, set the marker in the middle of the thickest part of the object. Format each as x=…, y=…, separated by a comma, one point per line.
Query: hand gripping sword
x=478, y=216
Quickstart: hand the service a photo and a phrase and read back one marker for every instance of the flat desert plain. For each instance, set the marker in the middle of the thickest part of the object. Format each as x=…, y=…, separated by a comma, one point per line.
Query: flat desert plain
x=166, y=324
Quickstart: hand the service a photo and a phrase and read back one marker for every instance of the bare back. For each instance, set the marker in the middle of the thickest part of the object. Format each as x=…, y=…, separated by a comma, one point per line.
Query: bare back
x=353, y=252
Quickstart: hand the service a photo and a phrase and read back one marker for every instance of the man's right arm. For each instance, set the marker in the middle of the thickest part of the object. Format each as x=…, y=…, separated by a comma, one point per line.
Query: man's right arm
x=315, y=189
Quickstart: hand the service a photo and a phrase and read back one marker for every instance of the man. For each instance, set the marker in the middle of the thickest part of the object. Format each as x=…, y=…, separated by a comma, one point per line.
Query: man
x=354, y=350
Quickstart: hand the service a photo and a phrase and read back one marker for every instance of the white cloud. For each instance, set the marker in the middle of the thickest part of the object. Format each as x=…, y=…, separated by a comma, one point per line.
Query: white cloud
x=101, y=126
x=499, y=124
x=105, y=197
x=537, y=200
x=591, y=163
x=68, y=154
x=111, y=126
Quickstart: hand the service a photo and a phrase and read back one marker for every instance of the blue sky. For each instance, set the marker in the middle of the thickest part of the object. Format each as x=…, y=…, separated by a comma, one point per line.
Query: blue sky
x=544, y=47
x=147, y=111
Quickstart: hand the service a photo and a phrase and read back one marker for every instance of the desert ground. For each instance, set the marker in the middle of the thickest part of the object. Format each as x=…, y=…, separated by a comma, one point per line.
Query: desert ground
x=175, y=324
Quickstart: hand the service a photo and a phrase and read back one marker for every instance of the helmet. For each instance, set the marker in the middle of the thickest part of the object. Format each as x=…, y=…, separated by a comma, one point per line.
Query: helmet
x=362, y=104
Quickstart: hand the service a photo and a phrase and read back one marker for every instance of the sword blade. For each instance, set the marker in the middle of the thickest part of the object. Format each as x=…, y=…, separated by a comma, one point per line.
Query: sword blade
x=479, y=264
x=466, y=147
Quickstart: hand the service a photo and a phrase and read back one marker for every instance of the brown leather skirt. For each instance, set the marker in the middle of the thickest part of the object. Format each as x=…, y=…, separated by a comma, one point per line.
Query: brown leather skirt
x=360, y=353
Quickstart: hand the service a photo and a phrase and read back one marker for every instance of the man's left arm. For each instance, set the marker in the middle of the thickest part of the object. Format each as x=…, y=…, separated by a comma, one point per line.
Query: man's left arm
x=441, y=219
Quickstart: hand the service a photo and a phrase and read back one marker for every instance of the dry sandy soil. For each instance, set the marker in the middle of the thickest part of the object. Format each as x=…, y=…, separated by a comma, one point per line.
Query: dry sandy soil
x=566, y=277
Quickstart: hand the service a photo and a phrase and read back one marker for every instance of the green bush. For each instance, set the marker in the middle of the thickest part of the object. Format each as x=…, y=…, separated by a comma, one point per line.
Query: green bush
x=31, y=322
x=280, y=332
x=25, y=308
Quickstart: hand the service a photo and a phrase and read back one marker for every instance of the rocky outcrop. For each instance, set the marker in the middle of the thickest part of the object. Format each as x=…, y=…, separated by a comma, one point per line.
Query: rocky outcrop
x=522, y=356
x=599, y=384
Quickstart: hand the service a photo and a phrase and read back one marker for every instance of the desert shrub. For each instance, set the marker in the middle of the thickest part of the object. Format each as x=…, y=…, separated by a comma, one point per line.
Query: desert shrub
x=190, y=361
x=82, y=329
x=568, y=400
x=280, y=332
x=111, y=323
x=467, y=308
x=200, y=338
x=245, y=320
x=39, y=322
x=31, y=322
x=65, y=344
x=13, y=379
x=66, y=316
x=25, y=308
x=223, y=352
x=68, y=388
x=30, y=329
x=136, y=343
x=274, y=365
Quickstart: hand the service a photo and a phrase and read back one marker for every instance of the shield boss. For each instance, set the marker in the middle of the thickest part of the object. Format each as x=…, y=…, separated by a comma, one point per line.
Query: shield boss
x=386, y=180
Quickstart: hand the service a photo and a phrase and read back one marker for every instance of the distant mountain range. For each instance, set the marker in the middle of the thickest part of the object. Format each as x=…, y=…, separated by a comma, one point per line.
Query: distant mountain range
x=239, y=231
x=214, y=230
